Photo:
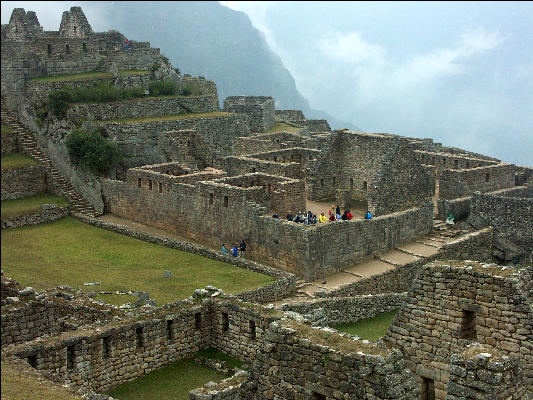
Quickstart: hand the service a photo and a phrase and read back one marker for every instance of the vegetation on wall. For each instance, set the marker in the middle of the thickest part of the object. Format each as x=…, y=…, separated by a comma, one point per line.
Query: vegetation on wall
x=92, y=151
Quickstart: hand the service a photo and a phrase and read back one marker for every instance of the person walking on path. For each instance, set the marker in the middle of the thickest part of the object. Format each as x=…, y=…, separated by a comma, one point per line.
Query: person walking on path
x=235, y=250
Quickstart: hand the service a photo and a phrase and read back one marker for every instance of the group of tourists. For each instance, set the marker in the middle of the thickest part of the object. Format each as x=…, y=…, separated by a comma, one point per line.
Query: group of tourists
x=334, y=215
x=238, y=249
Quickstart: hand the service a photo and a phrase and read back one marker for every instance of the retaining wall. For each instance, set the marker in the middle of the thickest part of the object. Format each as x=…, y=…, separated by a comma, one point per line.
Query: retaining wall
x=38, y=217
x=23, y=182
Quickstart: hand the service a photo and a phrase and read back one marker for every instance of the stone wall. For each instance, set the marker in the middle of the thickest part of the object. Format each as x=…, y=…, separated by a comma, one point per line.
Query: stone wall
x=511, y=217
x=318, y=250
x=344, y=310
x=460, y=207
x=23, y=182
x=481, y=372
x=461, y=183
x=139, y=141
x=443, y=161
x=259, y=109
x=316, y=125
x=242, y=165
x=453, y=304
x=39, y=217
x=300, y=362
x=270, y=142
x=199, y=86
x=27, y=314
x=148, y=107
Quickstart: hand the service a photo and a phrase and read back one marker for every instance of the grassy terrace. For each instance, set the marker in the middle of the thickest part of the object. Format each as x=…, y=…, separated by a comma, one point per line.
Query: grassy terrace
x=143, y=98
x=282, y=127
x=68, y=252
x=174, y=117
x=370, y=329
x=171, y=382
x=16, y=160
x=31, y=204
x=84, y=76
x=19, y=385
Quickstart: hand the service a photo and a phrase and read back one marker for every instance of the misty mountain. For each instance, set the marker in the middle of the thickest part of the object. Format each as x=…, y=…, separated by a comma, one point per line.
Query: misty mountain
x=211, y=40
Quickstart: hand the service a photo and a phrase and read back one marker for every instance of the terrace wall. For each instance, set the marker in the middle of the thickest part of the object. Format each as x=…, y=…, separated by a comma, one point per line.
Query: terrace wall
x=242, y=165
x=460, y=183
x=147, y=107
x=9, y=142
x=23, y=182
x=259, y=109
x=344, y=310
x=443, y=161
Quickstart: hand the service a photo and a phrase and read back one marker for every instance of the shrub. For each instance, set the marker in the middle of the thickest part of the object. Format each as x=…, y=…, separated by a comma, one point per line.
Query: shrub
x=92, y=151
x=58, y=102
x=158, y=88
x=186, y=91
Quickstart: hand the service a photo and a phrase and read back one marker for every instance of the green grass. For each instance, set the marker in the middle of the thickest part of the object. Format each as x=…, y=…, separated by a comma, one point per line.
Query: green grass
x=68, y=252
x=6, y=129
x=370, y=329
x=216, y=354
x=173, y=117
x=171, y=382
x=84, y=76
x=22, y=385
x=16, y=160
x=282, y=127
x=31, y=204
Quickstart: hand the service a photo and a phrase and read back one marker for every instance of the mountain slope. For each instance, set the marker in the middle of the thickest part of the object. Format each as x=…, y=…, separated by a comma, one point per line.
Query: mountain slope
x=211, y=40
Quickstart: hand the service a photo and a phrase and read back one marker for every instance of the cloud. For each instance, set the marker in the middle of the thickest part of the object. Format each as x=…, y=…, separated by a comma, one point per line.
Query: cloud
x=350, y=48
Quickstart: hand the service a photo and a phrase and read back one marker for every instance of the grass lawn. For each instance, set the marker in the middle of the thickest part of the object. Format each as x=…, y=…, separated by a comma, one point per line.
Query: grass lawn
x=170, y=382
x=174, y=117
x=370, y=329
x=31, y=204
x=84, y=76
x=18, y=385
x=68, y=252
x=16, y=160
x=6, y=129
x=282, y=127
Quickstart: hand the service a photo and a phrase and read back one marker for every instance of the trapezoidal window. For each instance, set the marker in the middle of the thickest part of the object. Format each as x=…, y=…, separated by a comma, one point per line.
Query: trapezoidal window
x=428, y=389
x=67, y=49
x=139, y=334
x=211, y=198
x=334, y=180
x=456, y=164
x=160, y=187
x=75, y=28
x=106, y=347
x=49, y=49
x=252, y=330
x=149, y=184
x=468, y=325
x=365, y=185
x=486, y=177
x=321, y=182
x=351, y=182
x=225, y=322
x=71, y=362
x=139, y=181
x=84, y=47
x=198, y=320
x=225, y=201
x=171, y=329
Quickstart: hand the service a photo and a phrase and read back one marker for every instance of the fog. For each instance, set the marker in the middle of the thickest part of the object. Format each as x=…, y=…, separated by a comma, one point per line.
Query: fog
x=460, y=73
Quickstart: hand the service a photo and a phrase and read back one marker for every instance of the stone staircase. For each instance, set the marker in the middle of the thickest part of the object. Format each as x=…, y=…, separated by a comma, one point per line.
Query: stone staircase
x=28, y=146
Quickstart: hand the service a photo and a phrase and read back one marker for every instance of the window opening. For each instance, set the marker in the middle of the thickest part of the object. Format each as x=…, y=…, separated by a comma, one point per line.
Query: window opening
x=198, y=320
x=486, y=177
x=70, y=357
x=456, y=163
x=84, y=47
x=150, y=184
x=225, y=322
x=171, y=324
x=160, y=187
x=211, y=198
x=351, y=182
x=106, y=347
x=140, y=337
x=468, y=325
x=365, y=185
x=428, y=389
x=32, y=360
x=49, y=49
x=334, y=180
x=252, y=329
x=139, y=182
x=225, y=201
x=67, y=49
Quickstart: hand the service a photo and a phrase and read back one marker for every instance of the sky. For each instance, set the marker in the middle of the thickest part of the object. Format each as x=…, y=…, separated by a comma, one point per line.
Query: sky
x=458, y=72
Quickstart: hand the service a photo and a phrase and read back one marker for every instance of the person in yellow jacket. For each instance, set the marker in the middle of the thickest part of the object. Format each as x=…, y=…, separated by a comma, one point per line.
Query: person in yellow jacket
x=322, y=218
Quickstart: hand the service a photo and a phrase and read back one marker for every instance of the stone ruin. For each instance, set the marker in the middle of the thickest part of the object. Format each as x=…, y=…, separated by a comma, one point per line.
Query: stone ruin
x=464, y=327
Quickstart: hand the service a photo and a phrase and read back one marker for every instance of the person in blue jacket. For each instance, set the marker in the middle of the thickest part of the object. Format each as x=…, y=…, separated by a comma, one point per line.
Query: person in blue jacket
x=368, y=215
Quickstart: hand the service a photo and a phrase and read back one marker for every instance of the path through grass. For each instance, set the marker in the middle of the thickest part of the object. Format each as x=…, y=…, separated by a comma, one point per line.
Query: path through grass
x=370, y=329
x=282, y=127
x=68, y=252
x=85, y=76
x=29, y=205
x=171, y=382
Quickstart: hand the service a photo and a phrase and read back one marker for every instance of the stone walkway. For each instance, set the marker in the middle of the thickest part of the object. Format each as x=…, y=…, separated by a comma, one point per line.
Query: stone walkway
x=401, y=255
